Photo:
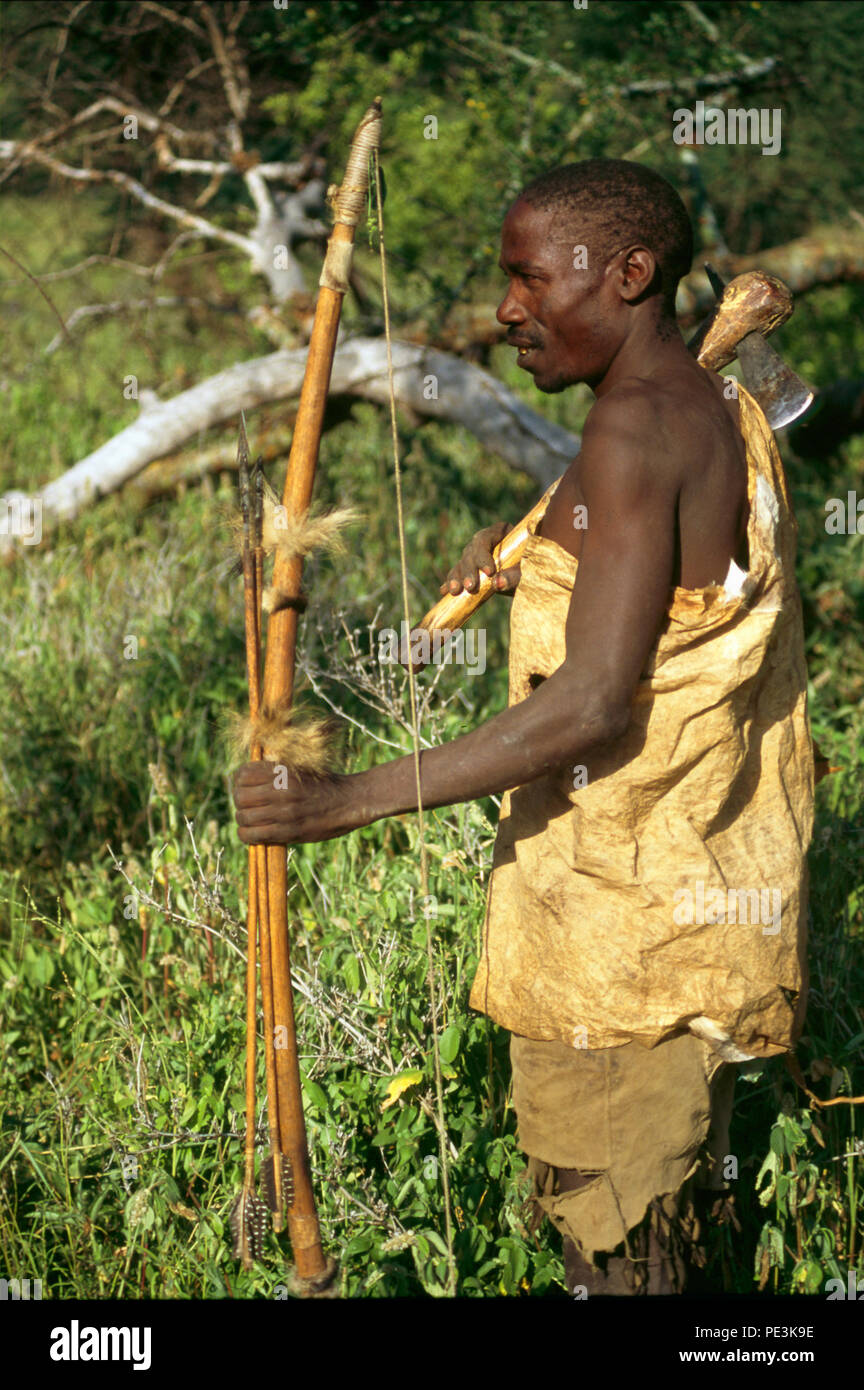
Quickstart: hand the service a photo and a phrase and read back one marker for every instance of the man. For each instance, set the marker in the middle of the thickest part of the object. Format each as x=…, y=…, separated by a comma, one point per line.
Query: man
x=645, y=923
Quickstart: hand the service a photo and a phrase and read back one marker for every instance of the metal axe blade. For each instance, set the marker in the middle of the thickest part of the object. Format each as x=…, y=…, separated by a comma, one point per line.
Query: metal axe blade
x=780, y=392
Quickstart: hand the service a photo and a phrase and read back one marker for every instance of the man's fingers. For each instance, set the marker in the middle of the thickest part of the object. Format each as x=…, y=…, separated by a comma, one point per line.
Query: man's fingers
x=255, y=815
x=503, y=581
x=260, y=835
x=254, y=784
x=477, y=559
x=467, y=575
x=248, y=798
x=507, y=580
x=470, y=581
x=455, y=583
x=252, y=773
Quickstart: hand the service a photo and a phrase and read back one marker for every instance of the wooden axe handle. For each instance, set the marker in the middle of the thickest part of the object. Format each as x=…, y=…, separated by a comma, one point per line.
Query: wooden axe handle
x=751, y=303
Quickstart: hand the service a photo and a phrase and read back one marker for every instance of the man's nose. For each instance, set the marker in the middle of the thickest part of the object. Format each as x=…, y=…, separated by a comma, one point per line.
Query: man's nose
x=508, y=310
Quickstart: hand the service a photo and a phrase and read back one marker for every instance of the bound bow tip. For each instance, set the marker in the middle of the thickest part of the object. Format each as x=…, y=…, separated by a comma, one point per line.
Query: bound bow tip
x=373, y=114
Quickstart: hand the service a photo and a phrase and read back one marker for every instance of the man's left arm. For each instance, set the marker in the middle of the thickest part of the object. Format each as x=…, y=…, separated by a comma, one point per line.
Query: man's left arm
x=619, y=599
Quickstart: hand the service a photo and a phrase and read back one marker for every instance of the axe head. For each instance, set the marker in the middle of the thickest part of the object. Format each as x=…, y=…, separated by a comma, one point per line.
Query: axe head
x=780, y=392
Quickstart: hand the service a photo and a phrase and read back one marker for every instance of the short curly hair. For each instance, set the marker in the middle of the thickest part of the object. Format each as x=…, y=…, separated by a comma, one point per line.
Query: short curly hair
x=612, y=203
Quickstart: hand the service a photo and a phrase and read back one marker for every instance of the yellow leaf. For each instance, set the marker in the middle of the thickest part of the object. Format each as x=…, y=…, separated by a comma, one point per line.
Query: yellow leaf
x=179, y=1208
x=399, y=1084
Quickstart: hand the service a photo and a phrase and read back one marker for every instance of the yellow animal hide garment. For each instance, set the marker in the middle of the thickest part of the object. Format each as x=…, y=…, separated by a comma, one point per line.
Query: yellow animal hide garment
x=669, y=892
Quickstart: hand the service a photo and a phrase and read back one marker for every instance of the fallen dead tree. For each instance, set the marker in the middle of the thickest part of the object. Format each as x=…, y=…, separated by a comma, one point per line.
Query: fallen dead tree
x=432, y=384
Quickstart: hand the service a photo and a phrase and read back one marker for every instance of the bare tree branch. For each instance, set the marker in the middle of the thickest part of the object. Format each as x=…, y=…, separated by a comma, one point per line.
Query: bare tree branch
x=95, y=312
x=235, y=78
x=173, y=16
x=11, y=148
x=33, y=280
x=145, y=271
x=191, y=466
x=432, y=384
x=162, y=264
x=180, y=85
x=748, y=72
x=829, y=255
x=270, y=170
x=62, y=40
x=122, y=109
x=281, y=221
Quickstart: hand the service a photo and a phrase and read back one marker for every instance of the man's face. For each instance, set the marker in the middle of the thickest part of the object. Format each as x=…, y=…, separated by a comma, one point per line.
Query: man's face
x=564, y=316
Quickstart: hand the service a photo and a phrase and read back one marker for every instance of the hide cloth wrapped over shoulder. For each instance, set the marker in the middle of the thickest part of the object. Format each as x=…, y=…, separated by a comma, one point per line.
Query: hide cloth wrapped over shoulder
x=669, y=893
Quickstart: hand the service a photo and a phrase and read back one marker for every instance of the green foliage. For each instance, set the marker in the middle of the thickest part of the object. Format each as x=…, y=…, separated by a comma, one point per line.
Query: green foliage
x=808, y=1230
x=123, y=1111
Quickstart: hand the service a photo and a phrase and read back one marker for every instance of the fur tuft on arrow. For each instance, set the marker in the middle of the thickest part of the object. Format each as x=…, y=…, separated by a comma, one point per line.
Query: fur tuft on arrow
x=293, y=536
x=303, y=745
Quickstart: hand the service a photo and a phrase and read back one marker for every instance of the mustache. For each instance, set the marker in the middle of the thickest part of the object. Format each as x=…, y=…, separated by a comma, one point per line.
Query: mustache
x=523, y=342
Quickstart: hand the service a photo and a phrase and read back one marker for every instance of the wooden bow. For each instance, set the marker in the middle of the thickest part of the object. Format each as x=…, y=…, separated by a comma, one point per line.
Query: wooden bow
x=349, y=204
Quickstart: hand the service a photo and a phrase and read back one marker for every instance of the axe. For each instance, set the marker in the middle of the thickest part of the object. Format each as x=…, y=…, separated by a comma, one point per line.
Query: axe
x=751, y=305
x=780, y=392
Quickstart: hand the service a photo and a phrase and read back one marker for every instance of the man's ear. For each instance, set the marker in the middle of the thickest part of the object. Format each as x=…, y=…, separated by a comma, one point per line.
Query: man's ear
x=638, y=273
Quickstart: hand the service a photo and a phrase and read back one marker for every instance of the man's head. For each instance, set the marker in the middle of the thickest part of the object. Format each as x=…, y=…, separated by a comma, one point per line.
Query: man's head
x=573, y=308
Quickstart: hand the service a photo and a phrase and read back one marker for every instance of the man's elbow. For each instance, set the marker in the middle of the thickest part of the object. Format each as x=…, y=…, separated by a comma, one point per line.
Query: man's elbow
x=604, y=715
x=608, y=722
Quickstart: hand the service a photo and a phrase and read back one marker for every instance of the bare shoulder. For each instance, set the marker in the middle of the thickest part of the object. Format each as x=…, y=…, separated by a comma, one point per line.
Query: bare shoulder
x=626, y=408
x=662, y=455
x=633, y=461
x=632, y=435
x=656, y=423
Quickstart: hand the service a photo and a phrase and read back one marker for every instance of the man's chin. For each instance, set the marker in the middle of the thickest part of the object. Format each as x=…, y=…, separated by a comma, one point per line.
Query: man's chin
x=551, y=386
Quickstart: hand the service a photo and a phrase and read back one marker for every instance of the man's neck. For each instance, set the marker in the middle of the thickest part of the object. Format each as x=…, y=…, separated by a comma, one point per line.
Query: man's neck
x=653, y=346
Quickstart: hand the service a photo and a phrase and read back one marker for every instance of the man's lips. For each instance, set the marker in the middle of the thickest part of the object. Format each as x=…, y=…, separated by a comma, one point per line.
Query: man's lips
x=524, y=352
